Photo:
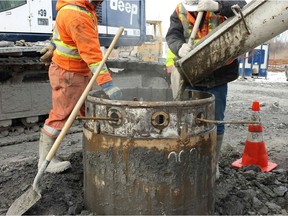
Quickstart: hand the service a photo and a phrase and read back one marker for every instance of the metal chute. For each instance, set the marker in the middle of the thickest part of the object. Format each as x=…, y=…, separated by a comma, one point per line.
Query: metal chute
x=256, y=23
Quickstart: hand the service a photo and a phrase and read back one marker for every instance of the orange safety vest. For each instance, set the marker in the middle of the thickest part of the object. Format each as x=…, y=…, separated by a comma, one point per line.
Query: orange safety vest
x=211, y=21
x=76, y=38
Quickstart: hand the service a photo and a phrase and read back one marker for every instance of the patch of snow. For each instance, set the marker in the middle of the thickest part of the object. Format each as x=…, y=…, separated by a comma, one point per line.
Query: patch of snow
x=275, y=77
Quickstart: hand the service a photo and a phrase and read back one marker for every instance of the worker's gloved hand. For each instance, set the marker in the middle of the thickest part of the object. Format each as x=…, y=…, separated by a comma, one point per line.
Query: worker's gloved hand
x=47, y=53
x=208, y=5
x=112, y=91
x=184, y=50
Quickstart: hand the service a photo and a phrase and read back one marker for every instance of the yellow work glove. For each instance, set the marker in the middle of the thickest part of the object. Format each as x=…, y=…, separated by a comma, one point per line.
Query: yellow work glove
x=47, y=53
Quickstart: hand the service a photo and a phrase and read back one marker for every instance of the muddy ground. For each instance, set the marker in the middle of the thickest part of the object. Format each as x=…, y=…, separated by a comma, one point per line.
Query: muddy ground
x=238, y=191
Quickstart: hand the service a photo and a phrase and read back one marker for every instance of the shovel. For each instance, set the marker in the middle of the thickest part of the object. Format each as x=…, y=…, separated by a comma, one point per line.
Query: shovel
x=182, y=84
x=32, y=195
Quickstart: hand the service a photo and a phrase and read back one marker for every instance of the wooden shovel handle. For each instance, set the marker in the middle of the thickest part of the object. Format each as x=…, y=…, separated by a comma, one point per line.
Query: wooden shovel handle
x=195, y=28
x=78, y=105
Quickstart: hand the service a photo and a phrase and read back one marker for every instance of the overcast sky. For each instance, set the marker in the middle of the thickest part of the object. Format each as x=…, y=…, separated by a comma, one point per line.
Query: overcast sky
x=161, y=10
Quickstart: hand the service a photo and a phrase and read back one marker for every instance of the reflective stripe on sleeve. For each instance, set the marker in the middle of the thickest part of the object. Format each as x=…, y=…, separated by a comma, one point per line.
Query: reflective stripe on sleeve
x=94, y=67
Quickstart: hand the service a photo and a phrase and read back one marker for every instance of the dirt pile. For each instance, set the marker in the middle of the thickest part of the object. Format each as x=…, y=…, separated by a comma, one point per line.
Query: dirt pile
x=244, y=191
x=247, y=191
x=62, y=194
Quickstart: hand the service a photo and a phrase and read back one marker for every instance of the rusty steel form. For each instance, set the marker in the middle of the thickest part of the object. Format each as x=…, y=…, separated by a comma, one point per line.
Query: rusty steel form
x=156, y=159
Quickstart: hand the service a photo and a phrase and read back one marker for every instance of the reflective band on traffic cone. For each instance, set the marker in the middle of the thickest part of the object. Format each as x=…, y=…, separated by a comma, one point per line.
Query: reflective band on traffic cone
x=255, y=151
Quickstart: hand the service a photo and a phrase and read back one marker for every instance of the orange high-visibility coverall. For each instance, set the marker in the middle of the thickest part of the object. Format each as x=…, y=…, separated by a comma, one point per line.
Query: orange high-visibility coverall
x=69, y=76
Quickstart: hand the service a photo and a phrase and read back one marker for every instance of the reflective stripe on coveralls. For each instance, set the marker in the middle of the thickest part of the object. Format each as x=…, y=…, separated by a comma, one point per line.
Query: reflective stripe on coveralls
x=52, y=132
x=67, y=88
x=66, y=50
x=62, y=48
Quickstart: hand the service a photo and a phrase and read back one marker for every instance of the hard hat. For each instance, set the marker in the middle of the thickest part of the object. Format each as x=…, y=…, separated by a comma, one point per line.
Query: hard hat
x=190, y=5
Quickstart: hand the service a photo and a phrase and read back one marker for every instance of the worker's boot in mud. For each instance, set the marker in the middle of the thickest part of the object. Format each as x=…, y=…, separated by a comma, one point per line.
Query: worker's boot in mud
x=218, y=150
x=55, y=166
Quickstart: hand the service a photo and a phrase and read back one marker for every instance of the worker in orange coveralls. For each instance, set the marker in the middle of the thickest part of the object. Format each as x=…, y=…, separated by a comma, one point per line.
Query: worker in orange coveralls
x=76, y=53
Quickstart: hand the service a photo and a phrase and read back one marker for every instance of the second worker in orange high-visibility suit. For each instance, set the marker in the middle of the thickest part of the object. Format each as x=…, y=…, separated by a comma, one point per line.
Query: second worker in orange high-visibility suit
x=76, y=53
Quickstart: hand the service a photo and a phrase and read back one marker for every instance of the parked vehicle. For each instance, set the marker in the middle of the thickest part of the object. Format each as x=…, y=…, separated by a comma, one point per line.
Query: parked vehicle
x=26, y=25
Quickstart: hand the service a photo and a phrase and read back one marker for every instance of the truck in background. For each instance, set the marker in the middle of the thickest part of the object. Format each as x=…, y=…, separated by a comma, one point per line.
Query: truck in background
x=33, y=21
x=25, y=92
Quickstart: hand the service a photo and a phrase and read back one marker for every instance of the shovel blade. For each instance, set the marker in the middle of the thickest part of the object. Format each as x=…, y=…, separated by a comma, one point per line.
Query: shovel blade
x=24, y=202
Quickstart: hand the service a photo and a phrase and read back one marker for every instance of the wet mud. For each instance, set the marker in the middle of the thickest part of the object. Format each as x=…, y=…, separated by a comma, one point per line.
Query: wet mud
x=238, y=191
x=244, y=191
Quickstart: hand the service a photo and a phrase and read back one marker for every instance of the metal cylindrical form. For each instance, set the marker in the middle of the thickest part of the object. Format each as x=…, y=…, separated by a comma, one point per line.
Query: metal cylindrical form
x=156, y=158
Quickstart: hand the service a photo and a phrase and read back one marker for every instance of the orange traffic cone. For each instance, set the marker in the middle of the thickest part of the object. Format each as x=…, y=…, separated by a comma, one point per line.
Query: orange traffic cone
x=255, y=151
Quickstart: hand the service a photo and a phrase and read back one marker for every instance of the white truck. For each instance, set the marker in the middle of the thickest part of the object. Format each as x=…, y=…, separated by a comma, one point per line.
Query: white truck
x=25, y=92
